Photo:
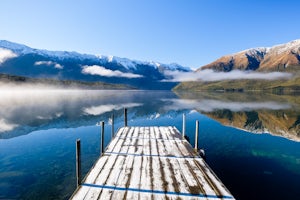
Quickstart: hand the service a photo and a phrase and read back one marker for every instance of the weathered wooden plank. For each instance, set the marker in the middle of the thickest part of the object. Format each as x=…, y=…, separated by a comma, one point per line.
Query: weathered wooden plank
x=172, y=183
x=124, y=179
x=146, y=132
x=146, y=173
x=167, y=181
x=92, y=193
x=146, y=147
x=151, y=163
x=135, y=177
x=91, y=178
x=117, y=142
x=112, y=178
x=152, y=133
x=158, y=175
x=188, y=178
x=136, y=133
x=187, y=149
x=116, y=170
x=80, y=193
x=175, y=133
x=106, y=169
x=156, y=196
x=101, y=178
x=157, y=133
x=175, y=149
x=217, y=182
x=153, y=144
x=197, y=173
x=127, y=142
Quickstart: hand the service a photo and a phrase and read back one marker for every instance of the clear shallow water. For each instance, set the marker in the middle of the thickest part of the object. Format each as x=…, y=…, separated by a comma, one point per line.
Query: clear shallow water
x=38, y=131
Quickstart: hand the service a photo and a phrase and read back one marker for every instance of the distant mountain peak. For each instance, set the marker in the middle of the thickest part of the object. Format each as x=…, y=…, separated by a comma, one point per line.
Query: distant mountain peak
x=21, y=49
x=253, y=51
x=280, y=57
x=17, y=48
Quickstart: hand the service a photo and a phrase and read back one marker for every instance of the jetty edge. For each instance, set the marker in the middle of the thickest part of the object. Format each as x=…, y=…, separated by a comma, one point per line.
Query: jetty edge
x=150, y=162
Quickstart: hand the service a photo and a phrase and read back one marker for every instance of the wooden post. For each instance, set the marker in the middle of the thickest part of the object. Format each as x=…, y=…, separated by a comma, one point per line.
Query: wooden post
x=102, y=138
x=183, y=125
x=78, y=162
x=112, y=126
x=196, y=135
x=125, y=117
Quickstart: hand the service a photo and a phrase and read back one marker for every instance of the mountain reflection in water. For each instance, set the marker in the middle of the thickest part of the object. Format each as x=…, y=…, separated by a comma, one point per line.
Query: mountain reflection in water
x=253, y=112
x=26, y=111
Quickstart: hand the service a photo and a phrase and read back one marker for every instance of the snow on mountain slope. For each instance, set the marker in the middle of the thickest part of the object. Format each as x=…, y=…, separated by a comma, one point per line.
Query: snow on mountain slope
x=126, y=63
x=17, y=48
x=277, y=58
x=281, y=48
x=61, y=55
x=21, y=60
x=21, y=49
x=132, y=64
x=282, y=57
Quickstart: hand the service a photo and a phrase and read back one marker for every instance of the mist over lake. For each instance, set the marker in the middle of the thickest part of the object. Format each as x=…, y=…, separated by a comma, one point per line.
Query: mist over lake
x=250, y=140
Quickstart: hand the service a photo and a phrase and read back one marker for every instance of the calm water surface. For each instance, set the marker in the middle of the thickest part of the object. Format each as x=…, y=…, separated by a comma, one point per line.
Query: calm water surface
x=251, y=140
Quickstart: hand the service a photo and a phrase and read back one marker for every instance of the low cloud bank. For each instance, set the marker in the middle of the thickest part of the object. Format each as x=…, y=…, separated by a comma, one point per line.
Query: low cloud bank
x=210, y=75
x=6, y=54
x=102, y=71
x=213, y=105
x=49, y=63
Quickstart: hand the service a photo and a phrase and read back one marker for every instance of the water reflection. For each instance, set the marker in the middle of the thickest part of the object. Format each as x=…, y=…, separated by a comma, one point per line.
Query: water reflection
x=254, y=112
x=24, y=112
x=40, y=165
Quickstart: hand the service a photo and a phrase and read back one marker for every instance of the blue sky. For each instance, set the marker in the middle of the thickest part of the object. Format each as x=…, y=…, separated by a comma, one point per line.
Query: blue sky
x=189, y=32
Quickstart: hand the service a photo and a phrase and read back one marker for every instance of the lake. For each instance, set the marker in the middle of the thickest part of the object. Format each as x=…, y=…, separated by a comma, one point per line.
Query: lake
x=251, y=140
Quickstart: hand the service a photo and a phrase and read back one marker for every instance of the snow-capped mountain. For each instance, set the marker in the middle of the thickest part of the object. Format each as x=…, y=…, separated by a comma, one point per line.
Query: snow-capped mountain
x=21, y=49
x=18, y=59
x=283, y=57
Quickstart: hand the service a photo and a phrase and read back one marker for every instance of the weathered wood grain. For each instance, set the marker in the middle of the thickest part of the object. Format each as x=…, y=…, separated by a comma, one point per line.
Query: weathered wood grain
x=150, y=163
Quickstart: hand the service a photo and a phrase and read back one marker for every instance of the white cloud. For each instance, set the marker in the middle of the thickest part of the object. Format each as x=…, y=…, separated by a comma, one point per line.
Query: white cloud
x=6, y=126
x=58, y=66
x=98, y=110
x=210, y=75
x=49, y=63
x=6, y=54
x=102, y=71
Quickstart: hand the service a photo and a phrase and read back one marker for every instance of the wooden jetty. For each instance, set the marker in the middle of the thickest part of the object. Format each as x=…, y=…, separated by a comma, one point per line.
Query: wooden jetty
x=150, y=163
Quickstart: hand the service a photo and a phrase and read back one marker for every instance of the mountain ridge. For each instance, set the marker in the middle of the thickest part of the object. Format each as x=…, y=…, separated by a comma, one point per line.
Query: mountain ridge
x=21, y=60
x=125, y=62
x=280, y=57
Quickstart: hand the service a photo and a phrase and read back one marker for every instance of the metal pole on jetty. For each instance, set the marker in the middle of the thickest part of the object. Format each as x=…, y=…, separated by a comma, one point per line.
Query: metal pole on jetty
x=183, y=125
x=125, y=117
x=102, y=138
x=78, y=162
x=196, y=135
x=112, y=126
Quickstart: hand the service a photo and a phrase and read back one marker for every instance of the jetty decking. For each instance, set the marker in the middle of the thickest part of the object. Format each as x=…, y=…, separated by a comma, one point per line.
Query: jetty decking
x=150, y=163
